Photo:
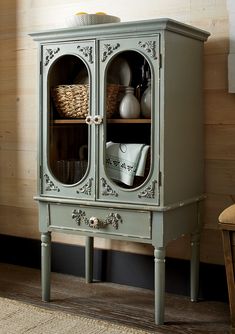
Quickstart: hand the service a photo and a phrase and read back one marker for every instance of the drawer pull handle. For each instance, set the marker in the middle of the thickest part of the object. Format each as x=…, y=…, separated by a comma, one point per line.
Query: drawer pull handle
x=95, y=223
x=112, y=218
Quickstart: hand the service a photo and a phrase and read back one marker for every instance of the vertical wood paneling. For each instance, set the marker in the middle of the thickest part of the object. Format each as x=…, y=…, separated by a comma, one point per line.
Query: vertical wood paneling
x=219, y=107
x=18, y=111
x=224, y=137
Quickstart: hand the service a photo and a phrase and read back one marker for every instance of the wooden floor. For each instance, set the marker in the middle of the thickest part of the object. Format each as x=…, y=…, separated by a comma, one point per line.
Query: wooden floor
x=129, y=306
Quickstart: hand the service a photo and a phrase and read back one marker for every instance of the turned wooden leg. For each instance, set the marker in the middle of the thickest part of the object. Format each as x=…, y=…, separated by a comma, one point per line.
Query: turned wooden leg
x=159, y=254
x=229, y=266
x=46, y=265
x=194, y=269
x=89, y=259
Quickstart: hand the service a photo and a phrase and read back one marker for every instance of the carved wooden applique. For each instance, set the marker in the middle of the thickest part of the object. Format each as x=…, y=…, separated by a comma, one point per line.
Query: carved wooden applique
x=107, y=190
x=148, y=192
x=87, y=52
x=112, y=218
x=86, y=189
x=108, y=50
x=149, y=47
x=50, y=186
x=50, y=53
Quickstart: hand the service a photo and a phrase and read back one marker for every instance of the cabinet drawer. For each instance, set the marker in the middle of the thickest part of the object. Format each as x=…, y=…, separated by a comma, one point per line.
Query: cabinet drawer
x=110, y=221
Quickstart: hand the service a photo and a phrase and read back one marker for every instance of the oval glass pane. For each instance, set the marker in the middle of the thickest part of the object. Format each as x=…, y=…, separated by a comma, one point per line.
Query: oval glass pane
x=128, y=119
x=68, y=84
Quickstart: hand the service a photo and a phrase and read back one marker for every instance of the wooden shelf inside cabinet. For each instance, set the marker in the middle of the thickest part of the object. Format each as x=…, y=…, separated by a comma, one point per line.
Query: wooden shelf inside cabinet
x=69, y=121
x=129, y=120
x=109, y=120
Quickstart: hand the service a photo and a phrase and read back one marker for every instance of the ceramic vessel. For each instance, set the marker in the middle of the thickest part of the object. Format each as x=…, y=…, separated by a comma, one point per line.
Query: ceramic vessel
x=129, y=106
x=145, y=104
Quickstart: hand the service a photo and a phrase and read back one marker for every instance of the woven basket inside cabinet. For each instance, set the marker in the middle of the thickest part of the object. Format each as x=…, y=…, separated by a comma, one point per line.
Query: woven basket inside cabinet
x=112, y=100
x=72, y=101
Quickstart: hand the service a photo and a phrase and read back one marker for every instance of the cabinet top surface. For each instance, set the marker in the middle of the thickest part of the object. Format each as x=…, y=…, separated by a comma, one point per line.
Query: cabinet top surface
x=132, y=27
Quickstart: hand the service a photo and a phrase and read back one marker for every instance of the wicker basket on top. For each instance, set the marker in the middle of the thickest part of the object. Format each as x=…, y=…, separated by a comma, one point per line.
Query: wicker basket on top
x=72, y=101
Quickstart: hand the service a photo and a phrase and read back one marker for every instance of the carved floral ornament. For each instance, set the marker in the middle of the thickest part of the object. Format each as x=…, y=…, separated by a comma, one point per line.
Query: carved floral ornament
x=49, y=54
x=87, y=52
x=50, y=186
x=112, y=218
x=148, y=192
x=106, y=189
x=86, y=189
x=108, y=49
x=149, y=47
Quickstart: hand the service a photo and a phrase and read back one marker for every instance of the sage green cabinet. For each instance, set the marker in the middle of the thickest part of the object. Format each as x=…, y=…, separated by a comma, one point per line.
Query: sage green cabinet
x=100, y=175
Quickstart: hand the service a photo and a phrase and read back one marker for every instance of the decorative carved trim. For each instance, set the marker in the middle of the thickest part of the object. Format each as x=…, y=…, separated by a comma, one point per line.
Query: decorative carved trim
x=80, y=217
x=108, y=50
x=149, y=47
x=87, y=51
x=107, y=190
x=50, y=185
x=113, y=219
x=50, y=53
x=149, y=192
x=86, y=189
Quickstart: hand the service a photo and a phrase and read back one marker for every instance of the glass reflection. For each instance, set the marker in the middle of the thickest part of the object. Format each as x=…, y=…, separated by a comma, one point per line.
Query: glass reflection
x=128, y=127
x=68, y=132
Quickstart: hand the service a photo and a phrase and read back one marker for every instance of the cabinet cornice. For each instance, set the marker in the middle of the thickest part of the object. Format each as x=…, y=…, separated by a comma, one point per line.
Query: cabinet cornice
x=130, y=28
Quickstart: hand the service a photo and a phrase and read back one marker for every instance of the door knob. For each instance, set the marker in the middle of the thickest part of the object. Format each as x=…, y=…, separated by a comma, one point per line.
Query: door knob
x=89, y=120
x=98, y=119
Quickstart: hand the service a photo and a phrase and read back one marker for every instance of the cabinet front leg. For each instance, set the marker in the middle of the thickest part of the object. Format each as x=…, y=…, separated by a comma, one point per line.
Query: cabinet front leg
x=159, y=254
x=194, y=266
x=46, y=265
x=89, y=259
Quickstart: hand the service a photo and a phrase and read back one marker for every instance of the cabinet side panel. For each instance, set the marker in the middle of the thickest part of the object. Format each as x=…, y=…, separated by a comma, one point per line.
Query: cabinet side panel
x=182, y=118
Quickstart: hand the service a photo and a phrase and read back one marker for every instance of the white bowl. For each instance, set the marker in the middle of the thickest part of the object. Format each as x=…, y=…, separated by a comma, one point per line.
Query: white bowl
x=89, y=19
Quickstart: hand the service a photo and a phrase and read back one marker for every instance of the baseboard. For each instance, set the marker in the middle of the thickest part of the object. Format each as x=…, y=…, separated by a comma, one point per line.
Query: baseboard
x=117, y=267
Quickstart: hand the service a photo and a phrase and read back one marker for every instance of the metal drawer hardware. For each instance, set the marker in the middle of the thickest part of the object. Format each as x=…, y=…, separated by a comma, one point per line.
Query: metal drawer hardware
x=112, y=219
x=97, y=119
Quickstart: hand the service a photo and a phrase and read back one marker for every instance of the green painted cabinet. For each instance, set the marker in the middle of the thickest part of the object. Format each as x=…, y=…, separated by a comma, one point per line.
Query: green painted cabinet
x=121, y=174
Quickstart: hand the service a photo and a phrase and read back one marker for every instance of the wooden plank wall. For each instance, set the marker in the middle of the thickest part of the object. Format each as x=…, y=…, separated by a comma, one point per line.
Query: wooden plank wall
x=18, y=111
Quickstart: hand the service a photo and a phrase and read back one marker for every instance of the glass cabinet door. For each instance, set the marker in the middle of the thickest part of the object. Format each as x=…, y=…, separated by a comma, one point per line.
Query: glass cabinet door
x=129, y=75
x=68, y=76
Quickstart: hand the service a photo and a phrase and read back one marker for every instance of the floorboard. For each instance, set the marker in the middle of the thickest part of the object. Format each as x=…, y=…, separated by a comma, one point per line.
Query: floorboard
x=133, y=307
